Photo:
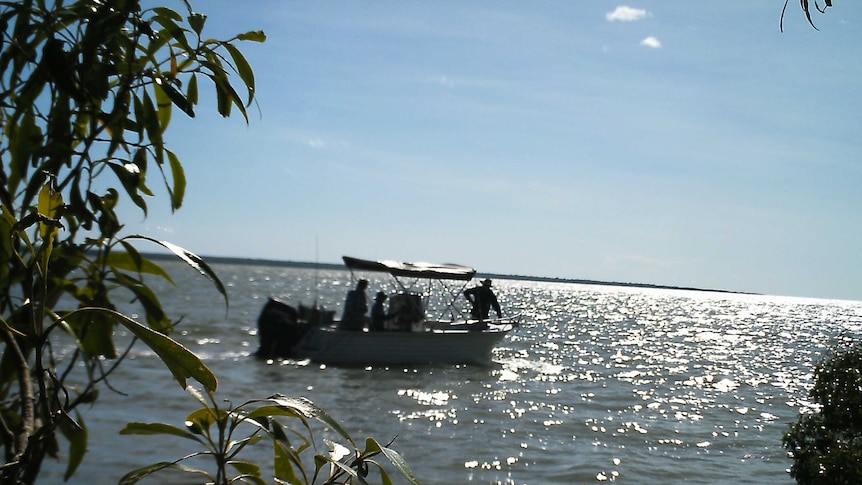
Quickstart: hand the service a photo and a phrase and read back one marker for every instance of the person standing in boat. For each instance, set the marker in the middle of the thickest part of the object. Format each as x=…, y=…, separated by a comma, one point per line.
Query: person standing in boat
x=378, y=313
x=355, y=307
x=482, y=298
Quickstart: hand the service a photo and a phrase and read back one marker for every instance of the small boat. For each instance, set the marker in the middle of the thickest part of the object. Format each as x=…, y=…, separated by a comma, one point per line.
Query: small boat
x=428, y=323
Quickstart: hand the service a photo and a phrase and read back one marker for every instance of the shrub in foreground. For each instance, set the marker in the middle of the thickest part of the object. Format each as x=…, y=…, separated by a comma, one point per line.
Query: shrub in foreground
x=826, y=443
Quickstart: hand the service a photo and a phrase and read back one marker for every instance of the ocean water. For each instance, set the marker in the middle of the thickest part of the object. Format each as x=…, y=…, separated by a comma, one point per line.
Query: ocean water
x=600, y=384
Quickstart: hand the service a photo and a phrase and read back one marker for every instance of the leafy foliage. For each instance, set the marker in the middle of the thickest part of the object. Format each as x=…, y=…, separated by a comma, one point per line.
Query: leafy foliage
x=826, y=444
x=219, y=432
x=87, y=90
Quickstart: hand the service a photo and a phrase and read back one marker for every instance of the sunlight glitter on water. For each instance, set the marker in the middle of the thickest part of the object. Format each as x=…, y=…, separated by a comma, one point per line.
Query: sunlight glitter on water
x=598, y=383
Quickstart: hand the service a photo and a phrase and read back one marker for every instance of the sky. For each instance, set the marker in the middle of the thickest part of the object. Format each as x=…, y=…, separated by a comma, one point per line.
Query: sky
x=661, y=142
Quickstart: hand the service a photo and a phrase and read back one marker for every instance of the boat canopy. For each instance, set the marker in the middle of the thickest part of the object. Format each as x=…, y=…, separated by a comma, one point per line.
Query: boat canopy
x=415, y=270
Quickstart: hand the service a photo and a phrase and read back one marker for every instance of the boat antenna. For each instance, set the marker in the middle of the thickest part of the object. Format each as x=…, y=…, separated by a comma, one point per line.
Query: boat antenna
x=316, y=270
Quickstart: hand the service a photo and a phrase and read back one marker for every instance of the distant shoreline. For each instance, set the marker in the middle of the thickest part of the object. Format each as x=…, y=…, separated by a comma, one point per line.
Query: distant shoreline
x=546, y=279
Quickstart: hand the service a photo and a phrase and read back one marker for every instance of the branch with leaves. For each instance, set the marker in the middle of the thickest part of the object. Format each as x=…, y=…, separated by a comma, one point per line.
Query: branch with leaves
x=225, y=434
x=87, y=91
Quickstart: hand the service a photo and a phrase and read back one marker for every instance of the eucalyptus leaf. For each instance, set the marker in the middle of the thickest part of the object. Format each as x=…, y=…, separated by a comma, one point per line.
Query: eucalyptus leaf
x=397, y=461
x=286, y=462
x=250, y=471
x=130, y=183
x=178, y=190
x=384, y=477
x=253, y=36
x=243, y=69
x=156, y=317
x=182, y=362
x=77, y=435
x=138, y=428
x=175, y=96
x=131, y=260
x=197, y=21
x=192, y=260
x=205, y=417
x=139, y=474
x=164, y=106
x=311, y=410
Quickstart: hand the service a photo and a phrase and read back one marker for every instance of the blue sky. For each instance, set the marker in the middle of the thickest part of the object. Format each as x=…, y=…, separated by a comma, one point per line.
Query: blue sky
x=664, y=142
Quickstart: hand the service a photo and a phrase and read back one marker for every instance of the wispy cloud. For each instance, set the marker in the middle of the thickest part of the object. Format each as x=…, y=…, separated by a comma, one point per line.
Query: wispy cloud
x=626, y=14
x=445, y=81
x=651, y=42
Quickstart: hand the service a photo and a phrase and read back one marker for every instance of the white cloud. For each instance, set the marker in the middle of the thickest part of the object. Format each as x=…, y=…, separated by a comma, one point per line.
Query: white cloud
x=316, y=143
x=651, y=42
x=626, y=14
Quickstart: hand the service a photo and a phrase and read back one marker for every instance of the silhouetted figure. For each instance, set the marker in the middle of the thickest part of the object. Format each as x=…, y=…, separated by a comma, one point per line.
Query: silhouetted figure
x=482, y=298
x=378, y=313
x=355, y=307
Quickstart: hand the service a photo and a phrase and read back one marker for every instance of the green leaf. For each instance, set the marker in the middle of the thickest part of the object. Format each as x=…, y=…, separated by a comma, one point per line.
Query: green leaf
x=197, y=394
x=131, y=260
x=167, y=13
x=163, y=105
x=129, y=176
x=321, y=460
x=7, y=222
x=168, y=19
x=395, y=458
x=140, y=160
x=157, y=319
x=309, y=409
x=178, y=192
x=50, y=203
x=95, y=329
x=253, y=36
x=139, y=474
x=152, y=121
x=285, y=459
x=248, y=469
x=76, y=433
x=138, y=428
x=192, y=260
x=23, y=141
x=243, y=68
x=203, y=418
x=192, y=93
x=197, y=21
x=275, y=410
x=139, y=124
x=182, y=362
x=384, y=477
x=160, y=39
x=236, y=446
x=175, y=96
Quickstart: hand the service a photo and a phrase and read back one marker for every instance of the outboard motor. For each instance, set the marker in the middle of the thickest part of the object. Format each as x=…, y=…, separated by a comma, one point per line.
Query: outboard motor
x=278, y=330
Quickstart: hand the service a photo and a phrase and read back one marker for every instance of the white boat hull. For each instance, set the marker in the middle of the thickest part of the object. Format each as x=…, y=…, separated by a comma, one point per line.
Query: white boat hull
x=329, y=345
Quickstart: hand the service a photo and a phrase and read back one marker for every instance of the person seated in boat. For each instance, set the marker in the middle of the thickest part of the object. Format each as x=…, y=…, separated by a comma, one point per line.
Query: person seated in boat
x=378, y=313
x=482, y=298
x=407, y=310
x=355, y=308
